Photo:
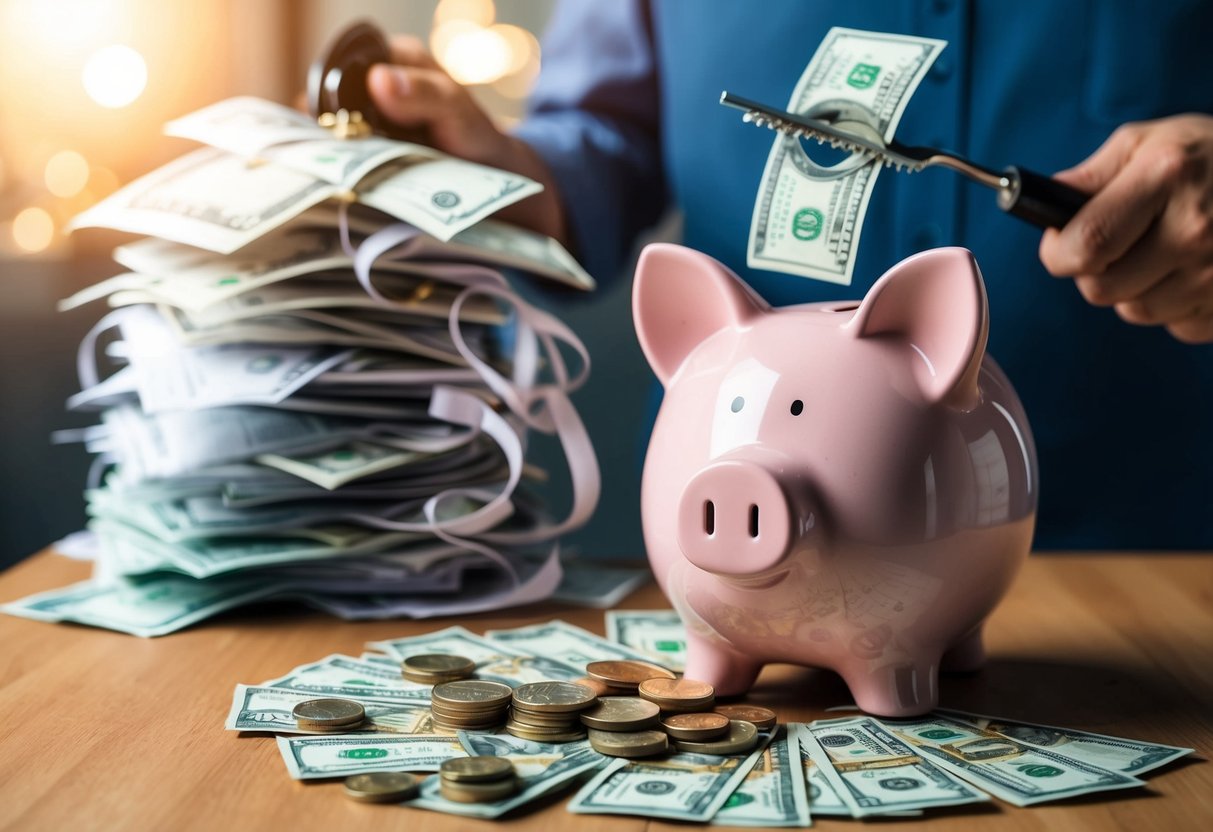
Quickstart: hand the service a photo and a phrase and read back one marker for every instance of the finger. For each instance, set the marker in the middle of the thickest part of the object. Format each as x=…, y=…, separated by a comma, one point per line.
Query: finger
x=409, y=95
x=1142, y=267
x=410, y=50
x=1114, y=219
x=1180, y=295
x=1193, y=330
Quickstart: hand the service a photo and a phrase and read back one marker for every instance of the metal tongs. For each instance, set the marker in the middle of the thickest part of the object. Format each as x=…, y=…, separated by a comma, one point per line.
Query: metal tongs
x=1034, y=197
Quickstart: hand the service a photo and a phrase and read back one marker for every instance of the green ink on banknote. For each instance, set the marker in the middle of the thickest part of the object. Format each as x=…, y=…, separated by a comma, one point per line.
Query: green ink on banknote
x=863, y=76
x=807, y=224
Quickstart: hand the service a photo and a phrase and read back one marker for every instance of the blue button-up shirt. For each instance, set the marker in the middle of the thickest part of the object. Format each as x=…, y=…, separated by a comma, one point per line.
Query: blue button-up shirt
x=626, y=115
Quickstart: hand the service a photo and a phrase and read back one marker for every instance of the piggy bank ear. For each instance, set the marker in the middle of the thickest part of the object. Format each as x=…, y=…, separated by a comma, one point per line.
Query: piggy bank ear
x=679, y=298
x=936, y=303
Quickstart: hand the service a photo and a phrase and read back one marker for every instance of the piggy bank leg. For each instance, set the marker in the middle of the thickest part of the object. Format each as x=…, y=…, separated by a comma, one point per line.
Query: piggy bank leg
x=908, y=688
x=730, y=672
x=966, y=655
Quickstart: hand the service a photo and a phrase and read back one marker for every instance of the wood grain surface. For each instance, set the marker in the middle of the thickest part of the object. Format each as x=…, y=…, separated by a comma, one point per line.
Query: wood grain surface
x=101, y=730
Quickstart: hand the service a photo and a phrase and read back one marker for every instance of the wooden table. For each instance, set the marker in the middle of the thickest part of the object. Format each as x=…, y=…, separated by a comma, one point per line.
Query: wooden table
x=107, y=731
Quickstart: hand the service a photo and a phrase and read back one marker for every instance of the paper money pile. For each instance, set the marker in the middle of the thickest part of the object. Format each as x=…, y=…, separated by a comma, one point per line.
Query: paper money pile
x=320, y=384
x=808, y=216
x=854, y=766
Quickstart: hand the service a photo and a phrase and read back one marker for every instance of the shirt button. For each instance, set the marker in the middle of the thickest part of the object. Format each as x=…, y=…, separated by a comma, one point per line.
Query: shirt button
x=927, y=237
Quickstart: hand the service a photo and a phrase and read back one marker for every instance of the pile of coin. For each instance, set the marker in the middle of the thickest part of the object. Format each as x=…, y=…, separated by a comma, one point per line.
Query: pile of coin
x=471, y=704
x=477, y=779
x=550, y=711
x=336, y=716
x=436, y=668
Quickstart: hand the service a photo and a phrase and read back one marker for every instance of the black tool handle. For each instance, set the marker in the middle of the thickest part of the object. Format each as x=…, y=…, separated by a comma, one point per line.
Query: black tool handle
x=1039, y=199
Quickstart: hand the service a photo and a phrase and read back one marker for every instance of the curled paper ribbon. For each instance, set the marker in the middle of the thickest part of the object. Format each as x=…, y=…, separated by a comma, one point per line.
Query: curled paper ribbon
x=543, y=407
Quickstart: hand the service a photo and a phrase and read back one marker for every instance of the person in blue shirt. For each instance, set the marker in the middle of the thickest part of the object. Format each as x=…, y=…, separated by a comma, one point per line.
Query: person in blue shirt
x=624, y=122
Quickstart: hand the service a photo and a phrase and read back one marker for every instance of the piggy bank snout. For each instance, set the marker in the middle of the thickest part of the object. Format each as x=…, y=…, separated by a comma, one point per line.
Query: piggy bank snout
x=734, y=518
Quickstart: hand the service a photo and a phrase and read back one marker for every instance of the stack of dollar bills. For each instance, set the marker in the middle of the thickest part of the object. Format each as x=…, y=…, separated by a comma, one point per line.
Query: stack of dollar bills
x=316, y=381
x=852, y=766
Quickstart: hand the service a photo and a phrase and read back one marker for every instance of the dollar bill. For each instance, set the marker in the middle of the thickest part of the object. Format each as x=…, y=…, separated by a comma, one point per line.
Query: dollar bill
x=807, y=218
x=339, y=466
x=209, y=199
x=686, y=787
x=774, y=793
x=310, y=758
x=146, y=606
x=346, y=676
x=587, y=583
x=494, y=660
x=823, y=800
x=1017, y=773
x=875, y=772
x=543, y=768
x=1111, y=753
x=563, y=642
x=256, y=708
x=659, y=634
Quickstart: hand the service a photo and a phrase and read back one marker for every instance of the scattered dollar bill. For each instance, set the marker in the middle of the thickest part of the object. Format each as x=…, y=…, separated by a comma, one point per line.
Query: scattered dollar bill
x=774, y=793
x=876, y=773
x=807, y=218
x=597, y=585
x=659, y=634
x=257, y=708
x=823, y=799
x=543, y=768
x=494, y=661
x=686, y=787
x=563, y=642
x=345, y=676
x=310, y=758
x=1112, y=753
x=1017, y=773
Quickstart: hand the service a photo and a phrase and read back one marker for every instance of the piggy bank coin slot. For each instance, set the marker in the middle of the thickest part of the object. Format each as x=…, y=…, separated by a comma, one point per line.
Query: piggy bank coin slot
x=709, y=517
x=754, y=521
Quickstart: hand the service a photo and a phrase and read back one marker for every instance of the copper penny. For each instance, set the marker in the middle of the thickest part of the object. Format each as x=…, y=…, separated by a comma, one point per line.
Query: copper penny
x=762, y=718
x=696, y=727
x=676, y=691
x=626, y=673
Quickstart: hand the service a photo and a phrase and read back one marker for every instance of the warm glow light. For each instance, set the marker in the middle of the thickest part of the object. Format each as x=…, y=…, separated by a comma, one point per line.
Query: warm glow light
x=66, y=174
x=517, y=85
x=522, y=45
x=443, y=33
x=476, y=57
x=115, y=76
x=480, y=12
x=33, y=229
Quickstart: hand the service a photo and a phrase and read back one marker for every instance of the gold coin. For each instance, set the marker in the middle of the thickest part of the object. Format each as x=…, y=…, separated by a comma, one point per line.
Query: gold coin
x=431, y=668
x=382, y=787
x=628, y=743
x=477, y=792
x=329, y=712
x=696, y=727
x=471, y=695
x=542, y=735
x=621, y=713
x=476, y=769
x=742, y=736
x=678, y=694
x=553, y=697
x=763, y=718
x=626, y=673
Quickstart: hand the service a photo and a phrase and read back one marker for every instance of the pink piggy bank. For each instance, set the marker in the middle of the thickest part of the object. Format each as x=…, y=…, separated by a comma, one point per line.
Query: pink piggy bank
x=840, y=485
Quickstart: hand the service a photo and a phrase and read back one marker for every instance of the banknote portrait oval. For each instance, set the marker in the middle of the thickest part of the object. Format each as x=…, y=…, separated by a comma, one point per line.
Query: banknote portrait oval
x=900, y=784
x=652, y=787
x=445, y=199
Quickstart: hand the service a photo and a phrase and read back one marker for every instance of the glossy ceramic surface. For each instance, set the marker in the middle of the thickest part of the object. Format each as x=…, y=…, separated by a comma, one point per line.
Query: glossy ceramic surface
x=843, y=485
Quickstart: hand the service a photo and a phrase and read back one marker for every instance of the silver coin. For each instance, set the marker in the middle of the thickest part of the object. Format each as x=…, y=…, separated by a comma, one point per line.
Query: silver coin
x=329, y=712
x=553, y=697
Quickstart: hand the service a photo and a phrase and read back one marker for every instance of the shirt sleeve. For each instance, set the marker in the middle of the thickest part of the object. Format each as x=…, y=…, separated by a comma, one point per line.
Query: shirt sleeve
x=594, y=118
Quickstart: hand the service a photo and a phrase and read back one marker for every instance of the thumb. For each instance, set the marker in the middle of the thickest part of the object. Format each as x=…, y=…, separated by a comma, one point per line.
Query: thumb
x=1093, y=173
x=389, y=87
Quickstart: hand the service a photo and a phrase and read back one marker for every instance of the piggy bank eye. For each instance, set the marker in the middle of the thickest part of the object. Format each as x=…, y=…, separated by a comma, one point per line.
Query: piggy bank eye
x=737, y=405
x=797, y=407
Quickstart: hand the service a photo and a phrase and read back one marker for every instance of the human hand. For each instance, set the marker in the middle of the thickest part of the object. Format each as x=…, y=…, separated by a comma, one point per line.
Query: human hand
x=1143, y=243
x=415, y=92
